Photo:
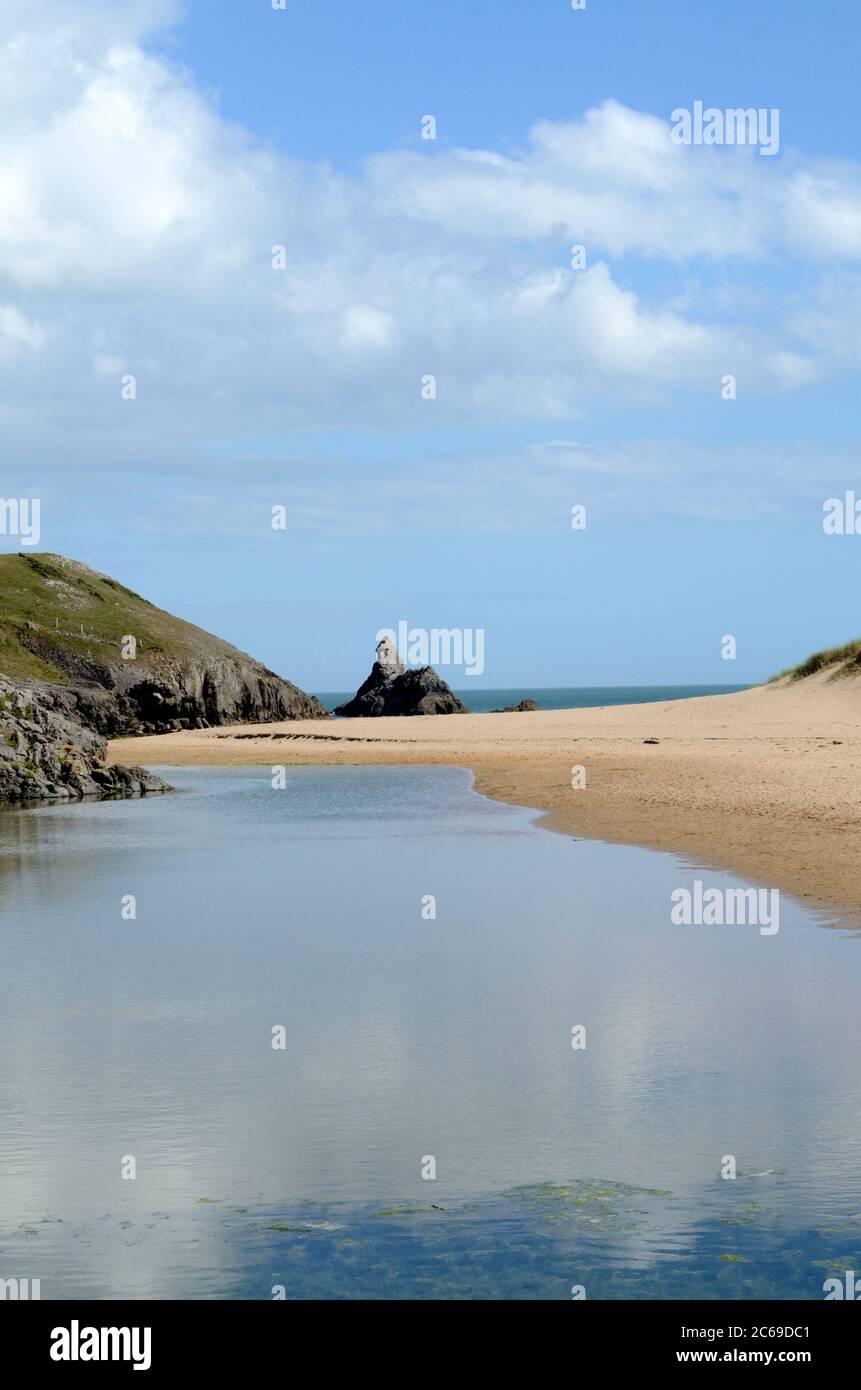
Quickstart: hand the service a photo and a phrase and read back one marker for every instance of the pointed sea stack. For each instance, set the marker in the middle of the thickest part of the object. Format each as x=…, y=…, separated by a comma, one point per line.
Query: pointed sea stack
x=392, y=689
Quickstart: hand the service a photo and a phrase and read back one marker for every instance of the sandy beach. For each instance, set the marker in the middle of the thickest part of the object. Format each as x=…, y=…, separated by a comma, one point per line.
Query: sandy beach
x=766, y=783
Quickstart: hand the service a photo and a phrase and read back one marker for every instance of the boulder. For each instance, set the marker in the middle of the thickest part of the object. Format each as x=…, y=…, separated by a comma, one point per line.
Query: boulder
x=525, y=707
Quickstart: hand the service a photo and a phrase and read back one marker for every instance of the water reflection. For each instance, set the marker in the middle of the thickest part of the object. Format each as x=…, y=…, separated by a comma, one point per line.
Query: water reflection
x=405, y=1037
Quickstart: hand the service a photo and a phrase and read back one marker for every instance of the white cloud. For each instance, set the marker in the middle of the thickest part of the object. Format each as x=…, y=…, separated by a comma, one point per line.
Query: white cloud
x=615, y=182
x=136, y=235
x=331, y=501
x=83, y=25
x=15, y=329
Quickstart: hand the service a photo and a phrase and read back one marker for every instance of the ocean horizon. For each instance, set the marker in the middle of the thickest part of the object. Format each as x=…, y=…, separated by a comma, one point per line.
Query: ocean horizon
x=483, y=700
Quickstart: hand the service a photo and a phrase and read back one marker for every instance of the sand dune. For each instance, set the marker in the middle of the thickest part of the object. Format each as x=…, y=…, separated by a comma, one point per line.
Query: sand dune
x=766, y=782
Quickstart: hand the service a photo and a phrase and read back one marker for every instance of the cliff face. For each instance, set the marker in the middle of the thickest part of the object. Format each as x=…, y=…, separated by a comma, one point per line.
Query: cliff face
x=69, y=628
x=156, y=693
x=47, y=756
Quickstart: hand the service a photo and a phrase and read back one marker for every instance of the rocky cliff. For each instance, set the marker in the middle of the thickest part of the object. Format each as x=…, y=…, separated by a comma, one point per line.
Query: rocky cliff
x=392, y=689
x=118, y=664
x=47, y=756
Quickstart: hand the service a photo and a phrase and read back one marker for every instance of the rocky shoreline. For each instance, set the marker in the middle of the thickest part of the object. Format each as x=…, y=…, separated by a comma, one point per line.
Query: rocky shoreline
x=45, y=755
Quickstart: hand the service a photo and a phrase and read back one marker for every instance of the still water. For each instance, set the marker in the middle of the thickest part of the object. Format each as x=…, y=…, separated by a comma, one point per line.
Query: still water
x=407, y=1037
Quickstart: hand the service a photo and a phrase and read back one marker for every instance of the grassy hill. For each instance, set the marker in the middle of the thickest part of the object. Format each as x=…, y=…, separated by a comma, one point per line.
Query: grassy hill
x=48, y=601
x=63, y=623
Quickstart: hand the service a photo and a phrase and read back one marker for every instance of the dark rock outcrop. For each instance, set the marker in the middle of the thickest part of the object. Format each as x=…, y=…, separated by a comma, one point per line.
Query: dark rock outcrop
x=164, y=694
x=391, y=689
x=47, y=756
x=525, y=707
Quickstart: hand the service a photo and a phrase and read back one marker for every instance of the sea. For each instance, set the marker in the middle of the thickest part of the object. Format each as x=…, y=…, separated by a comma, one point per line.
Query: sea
x=480, y=701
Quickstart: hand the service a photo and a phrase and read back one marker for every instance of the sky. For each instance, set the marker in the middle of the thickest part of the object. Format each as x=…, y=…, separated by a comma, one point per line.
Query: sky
x=235, y=276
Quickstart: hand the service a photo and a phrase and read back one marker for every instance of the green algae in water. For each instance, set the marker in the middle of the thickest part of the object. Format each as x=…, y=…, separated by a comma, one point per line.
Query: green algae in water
x=407, y=1211
x=532, y=1242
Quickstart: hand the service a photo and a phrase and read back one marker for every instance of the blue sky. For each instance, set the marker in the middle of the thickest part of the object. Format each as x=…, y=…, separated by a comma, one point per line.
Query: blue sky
x=339, y=80
x=154, y=154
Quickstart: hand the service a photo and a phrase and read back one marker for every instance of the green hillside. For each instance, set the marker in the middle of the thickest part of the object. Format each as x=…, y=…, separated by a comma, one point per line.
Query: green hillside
x=52, y=607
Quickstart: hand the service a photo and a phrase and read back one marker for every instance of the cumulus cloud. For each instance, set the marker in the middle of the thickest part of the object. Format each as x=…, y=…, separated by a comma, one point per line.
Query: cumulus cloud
x=615, y=181
x=138, y=230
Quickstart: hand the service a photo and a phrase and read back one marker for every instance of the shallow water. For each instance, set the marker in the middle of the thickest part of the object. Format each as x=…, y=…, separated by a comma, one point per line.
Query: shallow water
x=406, y=1038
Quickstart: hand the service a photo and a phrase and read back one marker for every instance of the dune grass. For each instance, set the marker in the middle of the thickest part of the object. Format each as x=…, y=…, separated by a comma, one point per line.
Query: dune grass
x=846, y=660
